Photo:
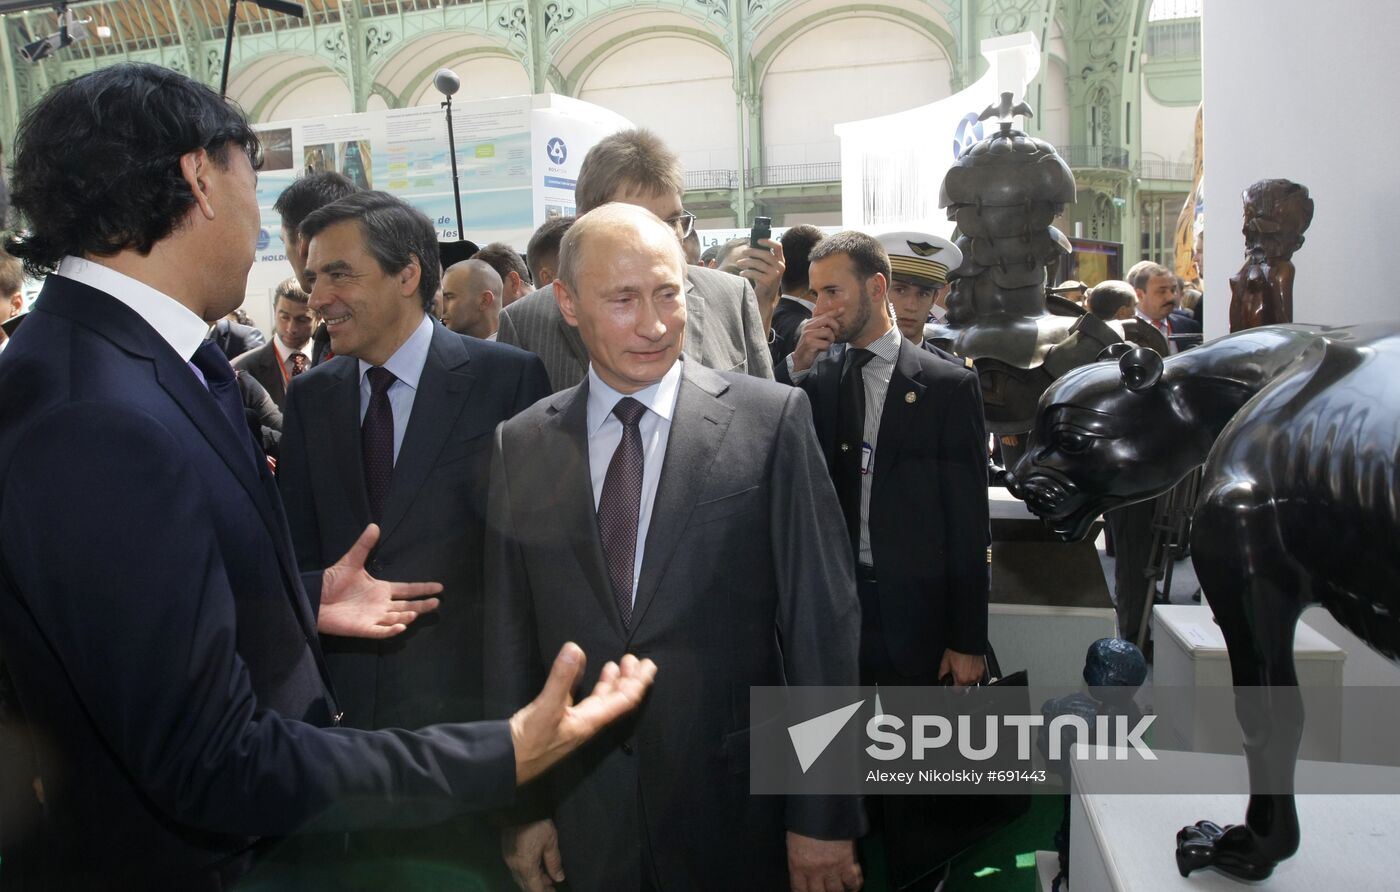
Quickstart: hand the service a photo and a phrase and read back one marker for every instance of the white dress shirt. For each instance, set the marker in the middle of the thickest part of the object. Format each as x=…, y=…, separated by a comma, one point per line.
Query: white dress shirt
x=877, y=375
x=1165, y=327
x=407, y=366
x=605, y=433
x=177, y=324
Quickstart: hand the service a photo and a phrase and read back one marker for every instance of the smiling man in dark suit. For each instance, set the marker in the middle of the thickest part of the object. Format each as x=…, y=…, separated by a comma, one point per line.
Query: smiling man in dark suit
x=152, y=618
x=670, y=509
x=396, y=430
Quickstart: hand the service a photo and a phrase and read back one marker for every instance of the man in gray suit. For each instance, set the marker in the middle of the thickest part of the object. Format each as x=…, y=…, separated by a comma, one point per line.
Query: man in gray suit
x=723, y=330
x=650, y=451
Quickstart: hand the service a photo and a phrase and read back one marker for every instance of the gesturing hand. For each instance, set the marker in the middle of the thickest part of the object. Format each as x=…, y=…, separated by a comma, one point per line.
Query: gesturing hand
x=356, y=605
x=551, y=726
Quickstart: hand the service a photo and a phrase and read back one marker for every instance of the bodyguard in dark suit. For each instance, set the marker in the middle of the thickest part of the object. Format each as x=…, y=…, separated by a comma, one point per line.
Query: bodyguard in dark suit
x=685, y=515
x=152, y=618
x=448, y=394
x=902, y=429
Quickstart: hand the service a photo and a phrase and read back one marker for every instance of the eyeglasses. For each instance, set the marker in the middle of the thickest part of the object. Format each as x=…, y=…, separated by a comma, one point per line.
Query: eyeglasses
x=683, y=223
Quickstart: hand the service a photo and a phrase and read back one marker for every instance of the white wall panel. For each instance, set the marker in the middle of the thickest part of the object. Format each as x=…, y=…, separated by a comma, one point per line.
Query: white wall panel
x=1298, y=100
x=845, y=70
x=681, y=88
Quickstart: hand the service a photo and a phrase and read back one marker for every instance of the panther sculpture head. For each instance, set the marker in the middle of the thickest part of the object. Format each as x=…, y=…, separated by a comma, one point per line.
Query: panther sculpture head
x=1107, y=434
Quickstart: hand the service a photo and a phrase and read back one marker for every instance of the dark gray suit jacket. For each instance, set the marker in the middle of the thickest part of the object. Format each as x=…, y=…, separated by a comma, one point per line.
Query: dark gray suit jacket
x=746, y=548
x=723, y=329
x=434, y=519
x=263, y=365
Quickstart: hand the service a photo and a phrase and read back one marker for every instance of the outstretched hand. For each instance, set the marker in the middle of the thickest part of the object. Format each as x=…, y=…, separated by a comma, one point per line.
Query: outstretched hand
x=551, y=726
x=356, y=605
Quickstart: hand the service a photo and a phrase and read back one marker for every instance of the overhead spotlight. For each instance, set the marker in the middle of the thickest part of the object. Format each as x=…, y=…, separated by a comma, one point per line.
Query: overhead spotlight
x=71, y=30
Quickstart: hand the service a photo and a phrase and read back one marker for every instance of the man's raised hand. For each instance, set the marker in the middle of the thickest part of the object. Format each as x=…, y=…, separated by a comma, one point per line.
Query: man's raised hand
x=551, y=726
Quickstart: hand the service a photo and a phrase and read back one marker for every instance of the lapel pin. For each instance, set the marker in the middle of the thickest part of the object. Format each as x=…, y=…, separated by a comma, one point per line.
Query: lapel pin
x=910, y=397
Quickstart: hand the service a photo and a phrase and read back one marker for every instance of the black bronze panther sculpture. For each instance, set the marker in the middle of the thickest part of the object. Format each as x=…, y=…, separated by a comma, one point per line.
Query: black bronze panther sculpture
x=1299, y=431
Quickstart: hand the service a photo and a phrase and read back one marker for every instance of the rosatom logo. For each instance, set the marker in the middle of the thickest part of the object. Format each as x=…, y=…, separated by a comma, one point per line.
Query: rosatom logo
x=969, y=134
x=556, y=150
x=264, y=237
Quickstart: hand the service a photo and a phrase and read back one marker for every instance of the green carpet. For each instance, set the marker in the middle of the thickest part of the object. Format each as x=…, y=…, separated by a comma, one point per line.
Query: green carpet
x=996, y=857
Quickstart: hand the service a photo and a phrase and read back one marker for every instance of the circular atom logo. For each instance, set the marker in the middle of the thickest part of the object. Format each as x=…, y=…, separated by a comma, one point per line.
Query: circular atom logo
x=556, y=150
x=969, y=134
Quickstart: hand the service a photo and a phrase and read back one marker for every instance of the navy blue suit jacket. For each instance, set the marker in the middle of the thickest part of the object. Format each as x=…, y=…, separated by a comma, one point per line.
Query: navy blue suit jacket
x=434, y=524
x=158, y=633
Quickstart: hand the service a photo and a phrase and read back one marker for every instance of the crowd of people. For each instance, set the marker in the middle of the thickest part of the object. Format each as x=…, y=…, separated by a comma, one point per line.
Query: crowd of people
x=558, y=513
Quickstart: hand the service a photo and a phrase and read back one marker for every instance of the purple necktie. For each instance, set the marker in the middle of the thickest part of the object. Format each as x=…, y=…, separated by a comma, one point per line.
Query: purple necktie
x=620, y=505
x=377, y=441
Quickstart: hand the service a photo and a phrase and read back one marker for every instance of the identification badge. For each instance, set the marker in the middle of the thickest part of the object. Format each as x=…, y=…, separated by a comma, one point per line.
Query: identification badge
x=865, y=452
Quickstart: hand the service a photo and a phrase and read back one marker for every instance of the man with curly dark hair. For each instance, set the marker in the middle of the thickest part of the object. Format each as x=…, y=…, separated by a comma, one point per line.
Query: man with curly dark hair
x=152, y=619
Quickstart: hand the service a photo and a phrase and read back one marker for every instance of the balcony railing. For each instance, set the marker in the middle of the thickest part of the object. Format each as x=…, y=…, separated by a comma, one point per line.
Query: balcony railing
x=794, y=174
x=1176, y=39
x=1110, y=157
x=1156, y=169
x=772, y=175
x=699, y=180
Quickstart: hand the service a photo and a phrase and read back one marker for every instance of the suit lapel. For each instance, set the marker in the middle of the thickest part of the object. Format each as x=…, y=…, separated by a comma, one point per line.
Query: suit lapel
x=906, y=392
x=828, y=390
x=109, y=318
x=338, y=436
x=698, y=426
x=695, y=316
x=569, y=460
x=443, y=391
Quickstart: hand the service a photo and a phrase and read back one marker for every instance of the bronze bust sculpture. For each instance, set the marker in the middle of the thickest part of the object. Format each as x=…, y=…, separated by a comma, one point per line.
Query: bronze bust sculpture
x=1276, y=214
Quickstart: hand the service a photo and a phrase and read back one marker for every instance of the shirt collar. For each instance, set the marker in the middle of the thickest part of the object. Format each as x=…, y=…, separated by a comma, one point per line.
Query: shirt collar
x=659, y=397
x=284, y=351
x=886, y=346
x=408, y=361
x=1155, y=323
x=177, y=324
x=811, y=305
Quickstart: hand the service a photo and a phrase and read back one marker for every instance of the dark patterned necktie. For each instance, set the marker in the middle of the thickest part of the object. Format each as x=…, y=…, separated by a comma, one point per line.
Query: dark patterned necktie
x=298, y=363
x=850, y=435
x=619, y=507
x=377, y=441
x=222, y=384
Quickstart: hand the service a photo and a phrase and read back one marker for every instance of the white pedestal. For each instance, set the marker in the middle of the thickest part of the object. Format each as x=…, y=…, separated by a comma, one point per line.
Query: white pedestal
x=1047, y=865
x=1127, y=843
x=1190, y=653
x=1048, y=642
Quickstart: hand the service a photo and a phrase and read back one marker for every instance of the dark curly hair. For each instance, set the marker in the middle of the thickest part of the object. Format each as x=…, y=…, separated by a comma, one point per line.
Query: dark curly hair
x=97, y=163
